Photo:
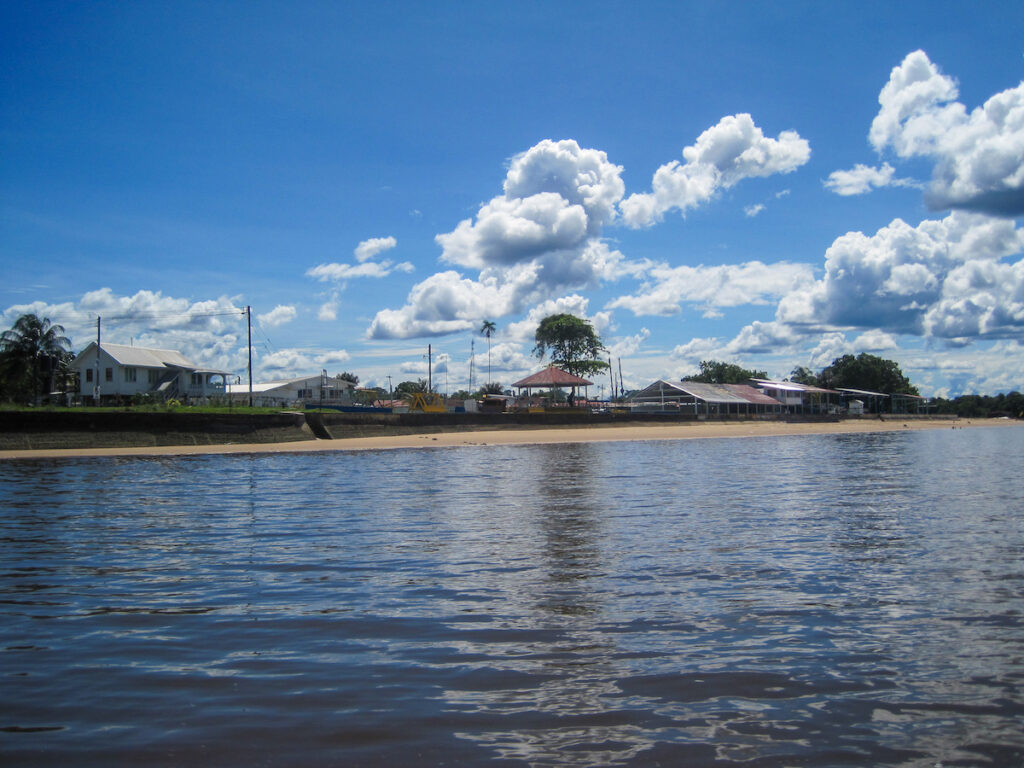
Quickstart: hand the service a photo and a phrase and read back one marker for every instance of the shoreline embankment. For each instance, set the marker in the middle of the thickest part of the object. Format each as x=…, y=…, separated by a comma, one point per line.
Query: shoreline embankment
x=68, y=435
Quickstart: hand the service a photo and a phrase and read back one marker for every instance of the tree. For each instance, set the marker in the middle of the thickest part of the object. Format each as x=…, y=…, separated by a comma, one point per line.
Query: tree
x=406, y=388
x=572, y=344
x=866, y=372
x=491, y=388
x=349, y=377
x=32, y=354
x=487, y=329
x=715, y=372
x=802, y=375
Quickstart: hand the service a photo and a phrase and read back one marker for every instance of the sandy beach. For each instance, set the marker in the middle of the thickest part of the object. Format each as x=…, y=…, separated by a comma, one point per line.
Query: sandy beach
x=587, y=434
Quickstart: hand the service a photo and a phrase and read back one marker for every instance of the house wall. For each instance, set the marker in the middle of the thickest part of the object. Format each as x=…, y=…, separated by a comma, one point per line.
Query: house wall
x=119, y=384
x=126, y=381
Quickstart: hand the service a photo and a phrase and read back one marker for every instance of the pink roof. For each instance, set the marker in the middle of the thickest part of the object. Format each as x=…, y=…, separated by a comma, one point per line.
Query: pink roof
x=552, y=377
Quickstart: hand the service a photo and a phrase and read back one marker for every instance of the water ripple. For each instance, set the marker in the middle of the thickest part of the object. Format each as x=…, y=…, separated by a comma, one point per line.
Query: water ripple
x=814, y=601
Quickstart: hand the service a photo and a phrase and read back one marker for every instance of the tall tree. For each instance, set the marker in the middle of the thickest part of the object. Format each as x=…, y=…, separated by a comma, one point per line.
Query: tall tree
x=715, y=372
x=866, y=372
x=32, y=354
x=803, y=375
x=487, y=329
x=572, y=344
x=406, y=388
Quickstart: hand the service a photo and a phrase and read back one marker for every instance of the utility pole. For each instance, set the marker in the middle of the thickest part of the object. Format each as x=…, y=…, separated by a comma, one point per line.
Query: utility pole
x=430, y=375
x=622, y=389
x=248, y=316
x=611, y=374
x=391, y=392
x=96, y=385
x=472, y=356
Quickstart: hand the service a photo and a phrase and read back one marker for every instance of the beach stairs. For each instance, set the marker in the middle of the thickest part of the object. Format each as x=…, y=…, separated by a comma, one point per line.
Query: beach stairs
x=316, y=425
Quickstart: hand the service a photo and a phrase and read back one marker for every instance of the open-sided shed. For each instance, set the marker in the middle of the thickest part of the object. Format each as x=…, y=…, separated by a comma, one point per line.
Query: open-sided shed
x=704, y=399
x=550, y=378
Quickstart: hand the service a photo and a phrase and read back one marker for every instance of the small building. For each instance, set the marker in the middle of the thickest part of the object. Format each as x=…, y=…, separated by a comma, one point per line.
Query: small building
x=119, y=372
x=800, y=398
x=551, y=378
x=300, y=392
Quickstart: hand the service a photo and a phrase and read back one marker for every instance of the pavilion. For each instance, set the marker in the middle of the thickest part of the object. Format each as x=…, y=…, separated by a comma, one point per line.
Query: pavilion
x=550, y=378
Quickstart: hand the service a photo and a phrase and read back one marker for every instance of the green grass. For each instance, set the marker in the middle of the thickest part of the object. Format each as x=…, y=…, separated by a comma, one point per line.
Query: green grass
x=217, y=409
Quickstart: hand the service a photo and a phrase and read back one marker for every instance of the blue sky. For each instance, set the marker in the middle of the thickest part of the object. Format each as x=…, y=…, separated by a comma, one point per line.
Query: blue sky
x=773, y=185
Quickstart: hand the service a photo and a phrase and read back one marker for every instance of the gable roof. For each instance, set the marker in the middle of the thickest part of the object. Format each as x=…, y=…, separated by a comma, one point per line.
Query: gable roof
x=142, y=357
x=552, y=377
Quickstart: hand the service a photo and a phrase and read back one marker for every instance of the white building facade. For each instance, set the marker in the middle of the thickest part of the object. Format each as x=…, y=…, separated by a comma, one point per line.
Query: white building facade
x=118, y=372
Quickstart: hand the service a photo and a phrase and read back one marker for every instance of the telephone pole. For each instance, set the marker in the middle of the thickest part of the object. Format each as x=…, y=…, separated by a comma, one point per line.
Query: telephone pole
x=248, y=317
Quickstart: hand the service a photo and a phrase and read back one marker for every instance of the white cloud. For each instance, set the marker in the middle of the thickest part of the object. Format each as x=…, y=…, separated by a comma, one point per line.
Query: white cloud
x=946, y=279
x=732, y=285
x=279, y=315
x=725, y=154
x=861, y=178
x=752, y=210
x=368, y=249
x=209, y=332
x=541, y=237
x=557, y=196
x=979, y=156
x=373, y=269
x=329, y=309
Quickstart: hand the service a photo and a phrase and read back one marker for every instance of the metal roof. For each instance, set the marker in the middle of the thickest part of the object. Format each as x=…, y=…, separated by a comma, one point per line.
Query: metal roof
x=752, y=394
x=723, y=394
x=142, y=357
x=864, y=392
x=791, y=386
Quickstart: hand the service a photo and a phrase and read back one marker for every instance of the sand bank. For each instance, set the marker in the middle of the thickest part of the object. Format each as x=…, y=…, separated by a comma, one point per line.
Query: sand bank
x=582, y=434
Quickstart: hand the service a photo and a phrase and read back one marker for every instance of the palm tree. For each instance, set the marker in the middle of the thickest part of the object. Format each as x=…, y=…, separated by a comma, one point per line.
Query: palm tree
x=32, y=352
x=487, y=329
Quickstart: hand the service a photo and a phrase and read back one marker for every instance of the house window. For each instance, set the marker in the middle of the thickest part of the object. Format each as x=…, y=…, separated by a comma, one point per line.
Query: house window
x=304, y=393
x=197, y=379
x=110, y=374
x=130, y=374
x=88, y=375
x=154, y=376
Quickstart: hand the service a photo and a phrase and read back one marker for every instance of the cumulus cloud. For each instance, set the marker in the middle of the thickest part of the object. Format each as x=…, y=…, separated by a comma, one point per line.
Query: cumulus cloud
x=209, y=332
x=368, y=249
x=946, y=279
x=862, y=178
x=279, y=315
x=979, y=156
x=541, y=237
x=557, y=196
x=669, y=288
x=725, y=154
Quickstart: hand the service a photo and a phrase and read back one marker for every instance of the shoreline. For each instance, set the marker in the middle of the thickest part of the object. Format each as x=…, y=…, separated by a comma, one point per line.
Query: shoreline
x=543, y=436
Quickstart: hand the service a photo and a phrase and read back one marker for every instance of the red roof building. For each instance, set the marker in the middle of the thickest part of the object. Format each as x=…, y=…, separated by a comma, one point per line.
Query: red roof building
x=552, y=377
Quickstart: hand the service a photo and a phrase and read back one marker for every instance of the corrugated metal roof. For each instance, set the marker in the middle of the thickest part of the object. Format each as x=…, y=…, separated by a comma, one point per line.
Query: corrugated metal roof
x=864, y=392
x=752, y=394
x=711, y=393
x=143, y=357
x=791, y=386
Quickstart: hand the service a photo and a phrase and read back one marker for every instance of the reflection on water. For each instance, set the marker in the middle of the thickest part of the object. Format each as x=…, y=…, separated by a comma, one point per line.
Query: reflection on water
x=817, y=601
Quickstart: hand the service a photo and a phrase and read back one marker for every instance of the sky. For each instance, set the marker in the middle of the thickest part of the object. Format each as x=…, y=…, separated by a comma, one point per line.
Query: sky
x=768, y=184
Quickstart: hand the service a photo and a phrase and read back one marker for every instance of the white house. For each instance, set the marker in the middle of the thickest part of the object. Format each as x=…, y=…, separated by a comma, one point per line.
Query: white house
x=305, y=390
x=120, y=371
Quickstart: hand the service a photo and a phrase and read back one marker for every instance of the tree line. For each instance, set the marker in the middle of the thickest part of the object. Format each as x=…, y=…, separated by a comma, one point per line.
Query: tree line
x=36, y=357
